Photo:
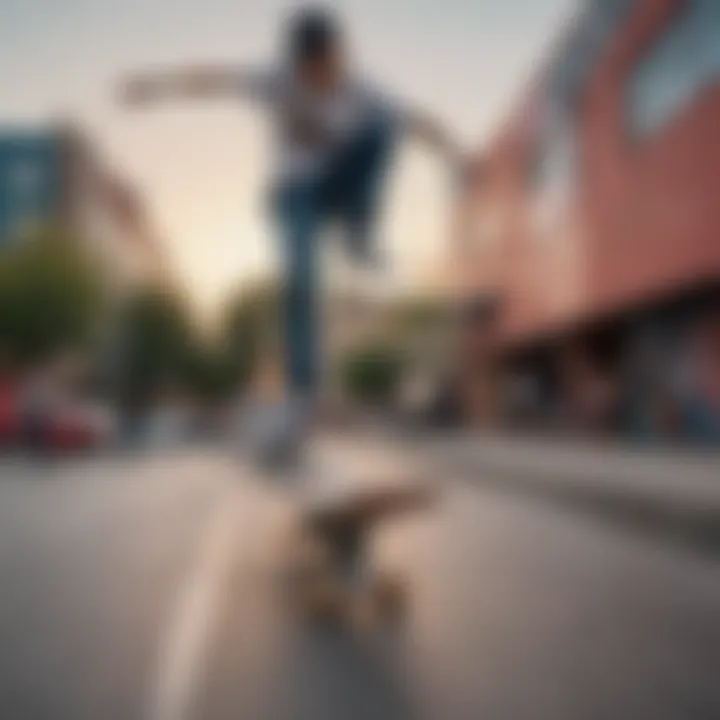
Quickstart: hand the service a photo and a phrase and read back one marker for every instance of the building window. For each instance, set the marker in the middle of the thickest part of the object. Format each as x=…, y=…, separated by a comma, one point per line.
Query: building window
x=681, y=64
x=551, y=169
x=596, y=26
x=553, y=172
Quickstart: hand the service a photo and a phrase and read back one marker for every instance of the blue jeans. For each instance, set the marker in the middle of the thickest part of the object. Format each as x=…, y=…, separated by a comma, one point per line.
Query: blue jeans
x=348, y=193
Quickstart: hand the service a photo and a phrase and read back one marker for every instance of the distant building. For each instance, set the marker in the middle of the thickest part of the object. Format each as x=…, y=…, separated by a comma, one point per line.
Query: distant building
x=55, y=176
x=594, y=224
x=30, y=178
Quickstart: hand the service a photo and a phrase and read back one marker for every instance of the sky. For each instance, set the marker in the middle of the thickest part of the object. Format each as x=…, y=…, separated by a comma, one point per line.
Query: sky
x=202, y=168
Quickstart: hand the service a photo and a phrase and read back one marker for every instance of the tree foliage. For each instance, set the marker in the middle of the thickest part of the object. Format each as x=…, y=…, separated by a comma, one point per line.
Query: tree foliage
x=250, y=327
x=157, y=340
x=50, y=296
x=210, y=375
x=371, y=374
x=163, y=349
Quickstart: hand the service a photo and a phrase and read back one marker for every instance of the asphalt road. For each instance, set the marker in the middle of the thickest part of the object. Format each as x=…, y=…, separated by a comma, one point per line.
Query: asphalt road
x=151, y=587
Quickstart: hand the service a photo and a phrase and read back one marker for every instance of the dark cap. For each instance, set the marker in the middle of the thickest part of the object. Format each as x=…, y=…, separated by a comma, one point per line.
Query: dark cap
x=313, y=33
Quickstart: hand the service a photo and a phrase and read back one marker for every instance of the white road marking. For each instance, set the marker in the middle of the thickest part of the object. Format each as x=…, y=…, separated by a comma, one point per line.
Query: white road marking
x=184, y=644
x=184, y=647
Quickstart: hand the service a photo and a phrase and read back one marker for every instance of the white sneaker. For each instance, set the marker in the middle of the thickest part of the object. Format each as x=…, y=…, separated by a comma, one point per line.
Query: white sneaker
x=275, y=432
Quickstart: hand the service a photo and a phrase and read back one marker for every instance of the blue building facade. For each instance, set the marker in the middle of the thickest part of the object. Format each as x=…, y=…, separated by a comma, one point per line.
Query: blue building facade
x=30, y=180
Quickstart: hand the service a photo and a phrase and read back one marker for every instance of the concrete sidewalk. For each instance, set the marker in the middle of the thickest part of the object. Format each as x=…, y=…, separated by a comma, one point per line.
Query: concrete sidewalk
x=673, y=493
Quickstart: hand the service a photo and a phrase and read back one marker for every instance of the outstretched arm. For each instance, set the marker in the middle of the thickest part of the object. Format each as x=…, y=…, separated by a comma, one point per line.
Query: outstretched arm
x=433, y=134
x=195, y=82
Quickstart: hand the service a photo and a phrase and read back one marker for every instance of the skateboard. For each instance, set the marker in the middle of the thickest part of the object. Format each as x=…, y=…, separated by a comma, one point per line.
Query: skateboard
x=336, y=577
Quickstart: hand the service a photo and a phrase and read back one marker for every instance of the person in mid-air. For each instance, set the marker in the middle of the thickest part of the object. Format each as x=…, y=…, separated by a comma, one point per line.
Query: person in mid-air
x=335, y=136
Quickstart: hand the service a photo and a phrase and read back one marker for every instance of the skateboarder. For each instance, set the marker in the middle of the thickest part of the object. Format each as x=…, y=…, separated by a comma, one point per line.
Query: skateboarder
x=335, y=136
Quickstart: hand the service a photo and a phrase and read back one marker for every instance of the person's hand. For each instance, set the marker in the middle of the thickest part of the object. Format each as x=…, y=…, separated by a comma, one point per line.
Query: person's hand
x=193, y=82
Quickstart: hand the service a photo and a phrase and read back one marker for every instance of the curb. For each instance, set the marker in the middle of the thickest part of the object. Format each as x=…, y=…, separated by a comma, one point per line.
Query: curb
x=672, y=496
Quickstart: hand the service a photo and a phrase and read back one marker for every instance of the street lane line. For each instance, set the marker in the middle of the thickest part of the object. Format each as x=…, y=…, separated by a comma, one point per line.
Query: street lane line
x=185, y=640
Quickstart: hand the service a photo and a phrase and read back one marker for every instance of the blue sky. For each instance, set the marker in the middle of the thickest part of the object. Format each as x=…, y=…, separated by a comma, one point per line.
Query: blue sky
x=201, y=168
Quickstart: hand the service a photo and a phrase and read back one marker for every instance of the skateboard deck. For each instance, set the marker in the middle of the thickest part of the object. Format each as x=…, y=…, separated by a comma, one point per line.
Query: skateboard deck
x=337, y=577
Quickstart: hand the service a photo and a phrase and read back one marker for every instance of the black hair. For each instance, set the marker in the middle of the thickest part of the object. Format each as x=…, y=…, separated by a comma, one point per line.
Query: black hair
x=313, y=33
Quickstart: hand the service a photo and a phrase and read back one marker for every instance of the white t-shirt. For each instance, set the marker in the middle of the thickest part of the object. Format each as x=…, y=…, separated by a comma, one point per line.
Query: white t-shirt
x=308, y=126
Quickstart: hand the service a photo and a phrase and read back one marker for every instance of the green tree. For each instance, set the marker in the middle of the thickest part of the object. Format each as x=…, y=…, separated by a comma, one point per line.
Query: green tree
x=371, y=373
x=157, y=344
x=50, y=296
x=250, y=327
x=414, y=317
x=209, y=374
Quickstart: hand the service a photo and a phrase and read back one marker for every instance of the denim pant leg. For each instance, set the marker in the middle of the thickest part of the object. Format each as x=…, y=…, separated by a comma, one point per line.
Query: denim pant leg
x=354, y=185
x=299, y=216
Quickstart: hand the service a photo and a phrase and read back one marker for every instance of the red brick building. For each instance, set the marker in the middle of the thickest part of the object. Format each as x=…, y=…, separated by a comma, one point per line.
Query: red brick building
x=596, y=218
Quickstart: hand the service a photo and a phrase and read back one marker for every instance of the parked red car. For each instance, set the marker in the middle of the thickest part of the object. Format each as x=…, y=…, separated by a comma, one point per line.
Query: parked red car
x=9, y=413
x=77, y=428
